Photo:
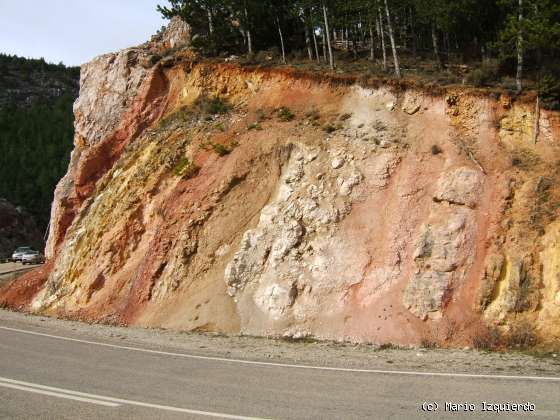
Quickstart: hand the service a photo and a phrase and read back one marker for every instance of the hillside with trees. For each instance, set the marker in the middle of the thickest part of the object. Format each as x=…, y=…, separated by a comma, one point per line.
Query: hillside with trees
x=24, y=81
x=36, y=131
x=510, y=44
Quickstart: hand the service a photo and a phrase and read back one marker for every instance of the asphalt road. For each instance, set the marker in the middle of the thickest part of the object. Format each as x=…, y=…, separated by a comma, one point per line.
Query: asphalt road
x=10, y=267
x=11, y=271
x=63, y=377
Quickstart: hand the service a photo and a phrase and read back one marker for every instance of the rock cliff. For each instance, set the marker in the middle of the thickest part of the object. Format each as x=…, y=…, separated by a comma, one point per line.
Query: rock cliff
x=214, y=197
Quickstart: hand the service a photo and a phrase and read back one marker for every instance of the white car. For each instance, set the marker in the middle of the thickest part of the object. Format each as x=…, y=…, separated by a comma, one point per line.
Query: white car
x=19, y=252
x=32, y=257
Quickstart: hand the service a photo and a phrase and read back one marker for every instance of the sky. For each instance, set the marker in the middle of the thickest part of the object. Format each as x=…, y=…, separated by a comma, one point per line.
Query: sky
x=75, y=31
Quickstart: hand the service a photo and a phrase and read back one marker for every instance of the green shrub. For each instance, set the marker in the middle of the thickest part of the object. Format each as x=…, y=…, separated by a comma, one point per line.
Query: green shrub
x=428, y=343
x=220, y=149
x=388, y=346
x=217, y=105
x=329, y=128
x=154, y=59
x=483, y=76
x=205, y=45
x=509, y=84
x=285, y=114
x=185, y=168
x=254, y=126
x=182, y=115
x=261, y=115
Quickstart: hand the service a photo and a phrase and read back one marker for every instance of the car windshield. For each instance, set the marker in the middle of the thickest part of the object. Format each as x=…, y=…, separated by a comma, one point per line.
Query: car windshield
x=23, y=249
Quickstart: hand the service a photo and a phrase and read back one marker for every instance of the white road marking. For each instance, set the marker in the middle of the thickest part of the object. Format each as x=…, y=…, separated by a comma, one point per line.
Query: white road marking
x=107, y=401
x=65, y=395
x=287, y=365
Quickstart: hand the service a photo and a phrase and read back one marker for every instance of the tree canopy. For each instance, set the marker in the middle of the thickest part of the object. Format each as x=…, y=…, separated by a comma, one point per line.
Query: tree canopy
x=36, y=131
x=463, y=31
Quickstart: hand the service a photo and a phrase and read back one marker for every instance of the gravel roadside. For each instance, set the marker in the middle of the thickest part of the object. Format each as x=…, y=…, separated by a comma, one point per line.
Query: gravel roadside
x=331, y=354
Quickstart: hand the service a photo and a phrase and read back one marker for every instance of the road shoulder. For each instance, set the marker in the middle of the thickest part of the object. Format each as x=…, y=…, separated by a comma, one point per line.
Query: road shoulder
x=311, y=353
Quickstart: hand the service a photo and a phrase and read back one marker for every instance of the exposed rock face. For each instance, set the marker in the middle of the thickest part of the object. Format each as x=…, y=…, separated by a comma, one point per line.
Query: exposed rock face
x=463, y=186
x=17, y=228
x=177, y=34
x=361, y=233
x=120, y=95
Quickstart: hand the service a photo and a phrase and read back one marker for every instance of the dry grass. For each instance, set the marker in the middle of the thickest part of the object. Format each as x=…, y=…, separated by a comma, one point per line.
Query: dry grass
x=428, y=343
x=522, y=336
x=487, y=339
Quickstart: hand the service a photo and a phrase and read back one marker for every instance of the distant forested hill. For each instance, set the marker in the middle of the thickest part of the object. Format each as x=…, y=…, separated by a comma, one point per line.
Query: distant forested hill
x=25, y=81
x=36, y=130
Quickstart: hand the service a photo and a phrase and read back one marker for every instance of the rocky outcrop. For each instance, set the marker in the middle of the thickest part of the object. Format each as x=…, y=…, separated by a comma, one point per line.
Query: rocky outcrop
x=176, y=35
x=17, y=228
x=212, y=197
x=120, y=95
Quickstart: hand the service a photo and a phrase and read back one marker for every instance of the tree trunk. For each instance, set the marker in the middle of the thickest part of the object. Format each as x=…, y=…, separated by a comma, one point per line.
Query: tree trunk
x=435, y=45
x=315, y=42
x=281, y=40
x=447, y=46
x=308, y=40
x=392, y=38
x=519, y=74
x=327, y=33
x=539, y=51
x=536, y=126
x=249, y=42
x=361, y=28
x=211, y=29
x=210, y=21
x=249, y=37
x=354, y=47
x=382, y=33
x=403, y=31
x=413, y=34
x=324, y=46
x=372, y=45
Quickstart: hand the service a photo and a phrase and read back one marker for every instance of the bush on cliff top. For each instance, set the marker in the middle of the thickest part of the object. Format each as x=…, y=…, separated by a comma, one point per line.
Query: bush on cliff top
x=549, y=90
x=217, y=105
x=485, y=75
